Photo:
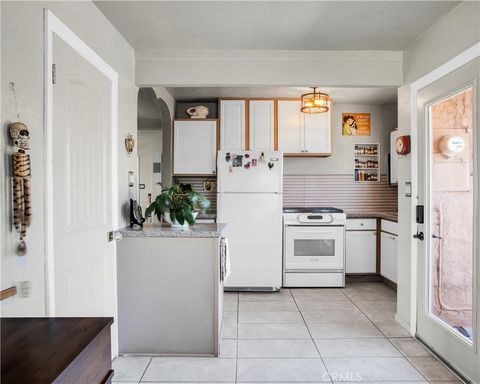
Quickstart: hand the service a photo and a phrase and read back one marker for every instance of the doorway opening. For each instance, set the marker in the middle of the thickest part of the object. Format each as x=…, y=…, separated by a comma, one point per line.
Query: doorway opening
x=154, y=129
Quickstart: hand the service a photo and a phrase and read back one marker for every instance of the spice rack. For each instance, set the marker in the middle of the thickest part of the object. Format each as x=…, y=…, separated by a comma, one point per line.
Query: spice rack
x=366, y=162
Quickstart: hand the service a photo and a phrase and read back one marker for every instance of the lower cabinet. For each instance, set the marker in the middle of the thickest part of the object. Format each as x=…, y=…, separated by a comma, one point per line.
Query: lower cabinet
x=361, y=251
x=389, y=251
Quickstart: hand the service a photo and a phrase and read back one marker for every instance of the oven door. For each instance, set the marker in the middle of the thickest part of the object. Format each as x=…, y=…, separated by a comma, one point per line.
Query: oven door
x=314, y=248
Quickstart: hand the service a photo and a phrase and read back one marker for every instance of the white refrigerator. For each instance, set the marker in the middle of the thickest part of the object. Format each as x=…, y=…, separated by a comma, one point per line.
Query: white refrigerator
x=249, y=201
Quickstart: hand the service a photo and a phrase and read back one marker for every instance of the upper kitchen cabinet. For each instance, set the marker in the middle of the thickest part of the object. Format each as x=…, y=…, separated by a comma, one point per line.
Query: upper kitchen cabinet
x=290, y=127
x=195, y=147
x=318, y=133
x=302, y=134
x=261, y=125
x=232, y=124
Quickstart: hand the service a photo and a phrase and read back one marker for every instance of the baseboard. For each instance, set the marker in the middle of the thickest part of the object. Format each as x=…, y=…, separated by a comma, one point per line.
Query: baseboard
x=404, y=324
x=390, y=283
x=363, y=278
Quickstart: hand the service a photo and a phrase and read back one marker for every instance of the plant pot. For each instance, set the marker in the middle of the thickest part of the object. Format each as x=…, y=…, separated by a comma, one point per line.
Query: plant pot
x=176, y=224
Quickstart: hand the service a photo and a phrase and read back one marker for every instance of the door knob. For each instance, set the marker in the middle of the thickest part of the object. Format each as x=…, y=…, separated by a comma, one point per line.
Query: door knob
x=419, y=236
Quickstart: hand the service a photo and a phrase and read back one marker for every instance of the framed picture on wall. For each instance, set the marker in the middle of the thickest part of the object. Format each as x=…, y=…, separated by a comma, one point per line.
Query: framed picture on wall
x=355, y=124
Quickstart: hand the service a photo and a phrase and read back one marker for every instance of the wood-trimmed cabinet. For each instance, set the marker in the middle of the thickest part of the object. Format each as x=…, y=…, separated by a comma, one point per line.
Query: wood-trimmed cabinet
x=389, y=250
x=361, y=246
x=261, y=125
x=232, y=124
x=274, y=124
x=303, y=134
x=195, y=147
x=372, y=247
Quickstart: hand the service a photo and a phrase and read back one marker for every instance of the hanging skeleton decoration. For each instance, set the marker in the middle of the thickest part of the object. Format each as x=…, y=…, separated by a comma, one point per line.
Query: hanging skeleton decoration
x=22, y=205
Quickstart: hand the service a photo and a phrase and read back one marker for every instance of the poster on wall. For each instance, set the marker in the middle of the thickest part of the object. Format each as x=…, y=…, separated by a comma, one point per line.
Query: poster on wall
x=356, y=124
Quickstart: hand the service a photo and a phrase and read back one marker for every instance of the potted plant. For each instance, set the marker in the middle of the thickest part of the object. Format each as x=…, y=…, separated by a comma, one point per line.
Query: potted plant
x=179, y=205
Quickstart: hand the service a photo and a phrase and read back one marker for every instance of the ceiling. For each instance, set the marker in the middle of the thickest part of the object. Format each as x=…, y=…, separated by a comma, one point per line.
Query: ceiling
x=339, y=95
x=273, y=25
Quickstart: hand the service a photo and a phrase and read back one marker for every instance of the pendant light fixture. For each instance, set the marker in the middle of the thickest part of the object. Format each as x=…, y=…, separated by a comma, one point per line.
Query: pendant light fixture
x=315, y=102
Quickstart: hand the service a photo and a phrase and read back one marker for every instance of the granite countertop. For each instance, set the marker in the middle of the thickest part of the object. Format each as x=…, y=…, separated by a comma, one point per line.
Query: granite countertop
x=194, y=231
x=391, y=216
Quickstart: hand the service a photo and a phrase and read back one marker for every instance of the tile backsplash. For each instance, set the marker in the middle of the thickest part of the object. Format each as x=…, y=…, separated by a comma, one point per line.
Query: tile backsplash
x=340, y=191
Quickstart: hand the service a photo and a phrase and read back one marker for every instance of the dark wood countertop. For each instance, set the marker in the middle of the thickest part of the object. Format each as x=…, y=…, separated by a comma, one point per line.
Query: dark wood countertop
x=391, y=216
x=39, y=350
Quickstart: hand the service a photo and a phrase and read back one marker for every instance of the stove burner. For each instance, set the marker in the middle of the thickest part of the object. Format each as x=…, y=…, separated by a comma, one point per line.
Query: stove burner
x=313, y=210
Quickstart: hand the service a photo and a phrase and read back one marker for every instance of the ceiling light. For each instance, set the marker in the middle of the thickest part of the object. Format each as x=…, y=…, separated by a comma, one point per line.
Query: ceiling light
x=315, y=102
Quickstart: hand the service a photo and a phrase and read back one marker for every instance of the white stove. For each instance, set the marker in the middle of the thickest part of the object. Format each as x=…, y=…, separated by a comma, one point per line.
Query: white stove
x=314, y=247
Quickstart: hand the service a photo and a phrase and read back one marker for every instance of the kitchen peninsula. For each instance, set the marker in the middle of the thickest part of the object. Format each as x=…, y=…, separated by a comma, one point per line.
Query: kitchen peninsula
x=170, y=290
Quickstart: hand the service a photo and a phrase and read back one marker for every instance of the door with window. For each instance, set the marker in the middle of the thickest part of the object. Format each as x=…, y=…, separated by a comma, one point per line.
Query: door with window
x=448, y=276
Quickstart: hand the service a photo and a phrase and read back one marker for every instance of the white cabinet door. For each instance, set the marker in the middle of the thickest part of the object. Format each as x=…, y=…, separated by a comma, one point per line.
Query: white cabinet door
x=388, y=259
x=261, y=125
x=232, y=124
x=318, y=133
x=195, y=147
x=290, y=126
x=361, y=252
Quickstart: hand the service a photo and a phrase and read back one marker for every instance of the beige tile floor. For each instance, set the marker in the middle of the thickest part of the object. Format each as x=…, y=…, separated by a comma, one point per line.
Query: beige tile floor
x=300, y=336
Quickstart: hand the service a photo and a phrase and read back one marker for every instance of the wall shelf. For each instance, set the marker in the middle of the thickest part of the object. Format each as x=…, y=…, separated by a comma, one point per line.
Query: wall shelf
x=366, y=163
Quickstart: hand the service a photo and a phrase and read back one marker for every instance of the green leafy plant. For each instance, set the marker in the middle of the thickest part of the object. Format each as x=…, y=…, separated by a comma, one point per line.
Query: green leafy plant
x=180, y=201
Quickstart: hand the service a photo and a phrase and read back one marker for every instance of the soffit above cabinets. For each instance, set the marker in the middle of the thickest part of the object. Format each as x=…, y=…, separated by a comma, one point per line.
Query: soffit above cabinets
x=338, y=95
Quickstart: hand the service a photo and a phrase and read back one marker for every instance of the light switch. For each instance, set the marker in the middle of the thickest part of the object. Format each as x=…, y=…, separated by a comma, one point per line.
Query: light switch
x=131, y=180
x=408, y=189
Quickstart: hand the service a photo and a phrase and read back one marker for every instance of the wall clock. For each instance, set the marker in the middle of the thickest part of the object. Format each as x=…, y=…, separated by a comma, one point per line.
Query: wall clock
x=402, y=145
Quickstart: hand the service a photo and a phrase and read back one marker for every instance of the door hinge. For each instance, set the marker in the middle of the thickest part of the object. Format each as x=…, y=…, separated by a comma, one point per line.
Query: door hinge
x=114, y=235
x=54, y=73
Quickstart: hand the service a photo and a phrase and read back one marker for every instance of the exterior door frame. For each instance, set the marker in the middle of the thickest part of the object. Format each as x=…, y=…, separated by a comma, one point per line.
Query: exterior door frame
x=458, y=61
x=53, y=26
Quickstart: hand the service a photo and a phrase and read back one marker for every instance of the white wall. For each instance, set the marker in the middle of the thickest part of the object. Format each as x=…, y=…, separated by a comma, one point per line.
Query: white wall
x=383, y=119
x=260, y=68
x=454, y=33
x=22, y=62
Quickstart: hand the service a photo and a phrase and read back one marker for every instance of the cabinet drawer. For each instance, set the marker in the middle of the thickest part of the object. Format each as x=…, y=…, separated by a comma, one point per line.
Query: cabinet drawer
x=390, y=226
x=361, y=224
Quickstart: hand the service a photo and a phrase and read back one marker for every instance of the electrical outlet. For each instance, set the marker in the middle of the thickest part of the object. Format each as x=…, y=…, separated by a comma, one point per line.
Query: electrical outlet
x=23, y=288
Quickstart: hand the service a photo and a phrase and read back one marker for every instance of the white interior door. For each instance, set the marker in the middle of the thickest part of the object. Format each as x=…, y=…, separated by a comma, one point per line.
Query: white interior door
x=84, y=264
x=448, y=279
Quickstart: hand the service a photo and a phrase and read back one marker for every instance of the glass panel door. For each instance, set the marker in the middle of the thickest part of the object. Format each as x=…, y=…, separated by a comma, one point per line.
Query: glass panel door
x=447, y=237
x=452, y=212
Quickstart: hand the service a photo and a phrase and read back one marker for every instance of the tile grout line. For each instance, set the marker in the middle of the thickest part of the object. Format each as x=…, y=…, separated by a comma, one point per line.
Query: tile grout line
x=311, y=337
x=145, y=371
x=386, y=337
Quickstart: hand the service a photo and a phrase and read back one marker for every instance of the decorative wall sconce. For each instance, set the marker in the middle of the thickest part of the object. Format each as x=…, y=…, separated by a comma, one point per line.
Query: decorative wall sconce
x=129, y=144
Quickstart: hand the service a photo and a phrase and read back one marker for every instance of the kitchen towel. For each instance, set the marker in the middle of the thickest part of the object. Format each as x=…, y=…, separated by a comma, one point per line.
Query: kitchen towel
x=225, y=267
